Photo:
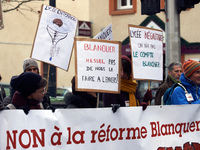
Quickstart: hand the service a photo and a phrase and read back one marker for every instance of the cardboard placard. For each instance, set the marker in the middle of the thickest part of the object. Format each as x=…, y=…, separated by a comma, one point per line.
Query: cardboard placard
x=98, y=64
x=106, y=33
x=146, y=53
x=54, y=38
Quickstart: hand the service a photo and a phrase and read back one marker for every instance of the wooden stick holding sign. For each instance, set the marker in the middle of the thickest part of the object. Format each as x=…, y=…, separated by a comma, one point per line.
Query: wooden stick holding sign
x=97, y=65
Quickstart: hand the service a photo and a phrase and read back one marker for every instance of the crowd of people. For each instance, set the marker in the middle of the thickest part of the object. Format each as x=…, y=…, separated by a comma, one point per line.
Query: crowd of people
x=28, y=90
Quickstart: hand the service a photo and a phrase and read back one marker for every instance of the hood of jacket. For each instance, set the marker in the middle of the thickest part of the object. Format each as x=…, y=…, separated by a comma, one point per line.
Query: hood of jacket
x=191, y=86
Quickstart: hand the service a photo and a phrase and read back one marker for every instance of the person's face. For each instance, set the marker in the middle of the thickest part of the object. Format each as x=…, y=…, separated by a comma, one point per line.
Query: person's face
x=195, y=77
x=32, y=69
x=38, y=94
x=176, y=72
x=123, y=74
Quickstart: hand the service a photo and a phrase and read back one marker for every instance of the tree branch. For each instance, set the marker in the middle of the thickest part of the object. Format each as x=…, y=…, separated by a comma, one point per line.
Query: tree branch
x=18, y=6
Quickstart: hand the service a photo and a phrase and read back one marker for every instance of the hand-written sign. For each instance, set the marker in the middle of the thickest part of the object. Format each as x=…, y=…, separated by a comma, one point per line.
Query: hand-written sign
x=146, y=52
x=97, y=65
x=54, y=39
x=106, y=33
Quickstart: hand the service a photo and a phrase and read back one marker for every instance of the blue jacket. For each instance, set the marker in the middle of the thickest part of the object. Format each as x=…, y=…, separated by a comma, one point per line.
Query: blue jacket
x=178, y=96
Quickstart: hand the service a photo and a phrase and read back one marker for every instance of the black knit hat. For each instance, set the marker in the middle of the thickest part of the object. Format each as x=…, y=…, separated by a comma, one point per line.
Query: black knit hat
x=26, y=83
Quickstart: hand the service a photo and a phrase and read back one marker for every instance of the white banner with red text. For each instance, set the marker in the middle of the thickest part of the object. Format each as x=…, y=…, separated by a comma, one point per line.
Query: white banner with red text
x=156, y=128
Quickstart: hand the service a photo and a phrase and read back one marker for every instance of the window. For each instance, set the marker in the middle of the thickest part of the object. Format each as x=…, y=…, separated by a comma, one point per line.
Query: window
x=117, y=7
x=162, y=4
x=121, y=7
x=124, y=4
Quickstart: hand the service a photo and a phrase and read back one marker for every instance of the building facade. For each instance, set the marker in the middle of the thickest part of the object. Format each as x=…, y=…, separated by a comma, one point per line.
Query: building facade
x=21, y=23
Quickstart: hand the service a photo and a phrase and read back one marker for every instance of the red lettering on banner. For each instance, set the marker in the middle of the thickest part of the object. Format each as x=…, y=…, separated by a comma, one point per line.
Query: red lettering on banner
x=143, y=132
x=114, y=133
x=158, y=129
x=74, y=135
x=25, y=144
x=20, y=139
x=121, y=130
x=192, y=127
x=58, y=137
x=186, y=146
x=41, y=140
x=196, y=146
x=78, y=133
x=9, y=138
x=69, y=136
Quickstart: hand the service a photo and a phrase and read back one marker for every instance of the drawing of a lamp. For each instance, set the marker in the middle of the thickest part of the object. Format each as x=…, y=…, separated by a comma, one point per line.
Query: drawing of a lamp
x=55, y=36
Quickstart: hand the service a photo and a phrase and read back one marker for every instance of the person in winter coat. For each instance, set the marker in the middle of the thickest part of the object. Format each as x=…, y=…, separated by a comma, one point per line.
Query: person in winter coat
x=29, y=65
x=30, y=88
x=80, y=99
x=174, y=73
x=2, y=91
x=128, y=90
x=190, y=79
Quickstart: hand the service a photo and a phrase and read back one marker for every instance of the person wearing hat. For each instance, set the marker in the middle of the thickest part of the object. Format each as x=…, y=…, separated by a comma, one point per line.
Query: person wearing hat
x=128, y=88
x=190, y=79
x=30, y=88
x=29, y=65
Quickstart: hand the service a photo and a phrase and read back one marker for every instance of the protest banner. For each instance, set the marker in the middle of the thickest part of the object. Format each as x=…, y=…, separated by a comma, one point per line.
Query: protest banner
x=54, y=38
x=106, y=33
x=156, y=128
x=97, y=65
x=146, y=52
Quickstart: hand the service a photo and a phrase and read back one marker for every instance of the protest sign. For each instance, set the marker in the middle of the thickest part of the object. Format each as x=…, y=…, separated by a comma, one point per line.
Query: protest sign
x=54, y=38
x=156, y=128
x=105, y=34
x=97, y=65
x=146, y=53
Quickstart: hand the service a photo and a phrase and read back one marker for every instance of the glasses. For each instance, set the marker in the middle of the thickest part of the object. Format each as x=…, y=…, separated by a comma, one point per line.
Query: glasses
x=31, y=69
x=42, y=91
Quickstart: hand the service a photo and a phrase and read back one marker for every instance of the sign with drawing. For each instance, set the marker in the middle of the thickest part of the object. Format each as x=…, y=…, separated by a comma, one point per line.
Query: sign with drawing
x=54, y=38
x=98, y=64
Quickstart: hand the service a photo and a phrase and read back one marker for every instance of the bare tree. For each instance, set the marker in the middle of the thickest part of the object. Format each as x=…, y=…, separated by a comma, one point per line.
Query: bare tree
x=18, y=6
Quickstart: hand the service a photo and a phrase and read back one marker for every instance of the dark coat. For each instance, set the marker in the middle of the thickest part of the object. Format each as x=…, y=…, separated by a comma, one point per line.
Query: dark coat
x=80, y=100
x=161, y=90
x=109, y=98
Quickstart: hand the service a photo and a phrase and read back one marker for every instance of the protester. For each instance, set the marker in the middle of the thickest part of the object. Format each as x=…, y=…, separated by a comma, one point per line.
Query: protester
x=30, y=88
x=2, y=91
x=128, y=91
x=7, y=100
x=190, y=79
x=80, y=99
x=3, y=94
x=29, y=65
x=174, y=73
